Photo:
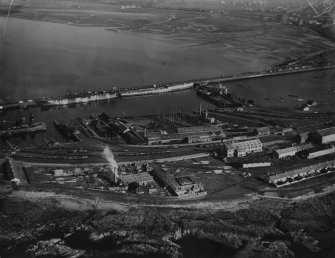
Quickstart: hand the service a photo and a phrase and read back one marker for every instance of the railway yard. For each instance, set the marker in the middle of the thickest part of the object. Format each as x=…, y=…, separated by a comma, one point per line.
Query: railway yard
x=234, y=149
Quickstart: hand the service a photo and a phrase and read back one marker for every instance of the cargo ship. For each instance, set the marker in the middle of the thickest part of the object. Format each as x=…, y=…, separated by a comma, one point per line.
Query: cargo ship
x=11, y=130
x=67, y=130
x=156, y=89
x=84, y=97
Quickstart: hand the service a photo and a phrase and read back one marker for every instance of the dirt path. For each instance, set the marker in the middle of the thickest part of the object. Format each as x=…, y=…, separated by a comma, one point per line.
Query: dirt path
x=75, y=203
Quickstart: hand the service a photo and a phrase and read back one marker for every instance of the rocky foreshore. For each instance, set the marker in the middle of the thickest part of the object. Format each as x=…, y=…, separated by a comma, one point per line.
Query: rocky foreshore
x=263, y=230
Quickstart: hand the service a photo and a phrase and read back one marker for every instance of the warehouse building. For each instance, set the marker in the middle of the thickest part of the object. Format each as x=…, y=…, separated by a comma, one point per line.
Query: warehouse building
x=318, y=152
x=159, y=138
x=324, y=136
x=183, y=187
x=199, y=129
x=250, y=146
x=284, y=153
x=191, y=137
x=240, y=149
x=263, y=131
x=291, y=151
x=298, y=174
x=140, y=178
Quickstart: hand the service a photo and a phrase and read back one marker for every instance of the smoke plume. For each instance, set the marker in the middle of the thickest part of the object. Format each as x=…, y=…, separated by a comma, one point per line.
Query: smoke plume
x=111, y=160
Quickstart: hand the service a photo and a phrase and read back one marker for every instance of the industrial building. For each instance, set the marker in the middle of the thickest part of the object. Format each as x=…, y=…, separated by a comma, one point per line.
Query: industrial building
x=230, y=150
x=298, y=174
x=199, y=129
x=291, y=151
x=263, y=131
x=284, y=153
x=140, y=178
x=183, y=137
x=318, y=152
x=240, y=149
x=183, y=187
x=256, y=165
x=324, y=136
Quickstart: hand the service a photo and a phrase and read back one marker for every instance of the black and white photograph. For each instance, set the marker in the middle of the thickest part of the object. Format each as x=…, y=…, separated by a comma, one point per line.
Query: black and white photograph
x=167, y=128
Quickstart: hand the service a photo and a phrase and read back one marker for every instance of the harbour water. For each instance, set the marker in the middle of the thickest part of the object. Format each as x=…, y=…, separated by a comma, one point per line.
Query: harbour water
x=46, y=59
x=49, y=59
x=186, y=101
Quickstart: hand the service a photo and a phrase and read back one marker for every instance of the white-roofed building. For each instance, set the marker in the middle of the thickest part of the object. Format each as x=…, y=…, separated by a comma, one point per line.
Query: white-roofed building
x=240, y=149
x=287, y=152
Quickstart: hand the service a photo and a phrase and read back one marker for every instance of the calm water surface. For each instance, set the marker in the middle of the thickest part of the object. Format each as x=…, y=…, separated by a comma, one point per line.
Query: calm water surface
x=49, y=59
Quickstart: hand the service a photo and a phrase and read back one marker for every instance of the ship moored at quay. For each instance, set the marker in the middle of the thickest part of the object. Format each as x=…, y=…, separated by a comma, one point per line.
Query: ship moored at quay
x=23, y=129
x=89, y=96
x=156, y=89
x=93, y=96
x=106, y=95
x=84, y=97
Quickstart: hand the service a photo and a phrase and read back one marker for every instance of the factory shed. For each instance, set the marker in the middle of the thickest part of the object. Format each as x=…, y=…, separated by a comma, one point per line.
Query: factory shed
x=319, y=151
x=284, y=153
x=324, y=136
x=291, y=151
x=140, y=178
x=240, y=149
x=191, y=137
x=250, y=146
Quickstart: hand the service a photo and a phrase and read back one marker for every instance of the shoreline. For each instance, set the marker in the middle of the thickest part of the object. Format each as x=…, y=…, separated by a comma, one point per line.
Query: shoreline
x=162, y=88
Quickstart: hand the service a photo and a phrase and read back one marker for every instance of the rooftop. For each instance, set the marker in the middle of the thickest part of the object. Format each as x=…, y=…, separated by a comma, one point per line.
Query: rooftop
x=184, y=180
x=263, y=129
x=296, y=171
x=320, y=148
x=287, y=150
x=197, y=129
x=140, y=177
x=326, y=131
